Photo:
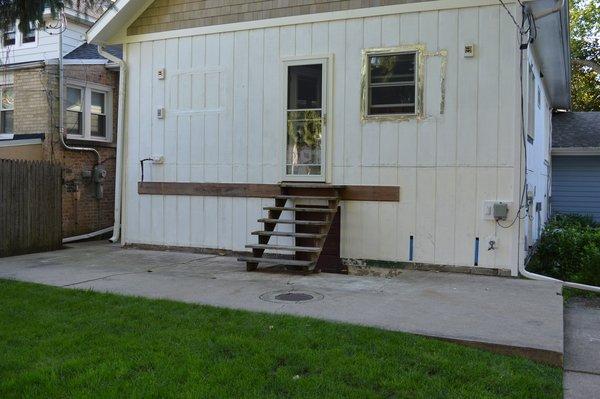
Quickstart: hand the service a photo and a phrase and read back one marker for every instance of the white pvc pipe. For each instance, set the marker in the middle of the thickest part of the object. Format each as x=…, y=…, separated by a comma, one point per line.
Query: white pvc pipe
x=88, y=235
x=119, y=158
x=540, y=277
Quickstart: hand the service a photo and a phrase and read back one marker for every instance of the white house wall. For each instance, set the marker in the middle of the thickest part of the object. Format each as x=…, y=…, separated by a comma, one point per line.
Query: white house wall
x=46, y=46
x=538, y=155
x=223, y=100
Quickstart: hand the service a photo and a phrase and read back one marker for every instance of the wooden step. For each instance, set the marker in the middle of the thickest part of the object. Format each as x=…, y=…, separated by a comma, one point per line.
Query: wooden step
x=288, y=234
x=284, y=248
x=299, y=209
x=307, y=197
x=291, y=221
x=277, y=261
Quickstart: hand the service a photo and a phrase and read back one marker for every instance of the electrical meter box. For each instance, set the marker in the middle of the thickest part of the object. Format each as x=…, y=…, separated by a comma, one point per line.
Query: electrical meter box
x=500, y=210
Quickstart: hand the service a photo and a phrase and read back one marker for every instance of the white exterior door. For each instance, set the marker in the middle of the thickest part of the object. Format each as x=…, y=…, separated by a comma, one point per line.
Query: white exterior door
x=305, y=116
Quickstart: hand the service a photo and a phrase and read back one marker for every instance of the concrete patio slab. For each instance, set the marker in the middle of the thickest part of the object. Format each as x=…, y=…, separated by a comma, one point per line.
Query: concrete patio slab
x=503, y=314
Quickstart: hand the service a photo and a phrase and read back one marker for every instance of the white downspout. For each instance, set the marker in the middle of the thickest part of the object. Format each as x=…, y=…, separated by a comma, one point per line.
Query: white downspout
x=87, y=236
x=535, y=276
x=120, y=122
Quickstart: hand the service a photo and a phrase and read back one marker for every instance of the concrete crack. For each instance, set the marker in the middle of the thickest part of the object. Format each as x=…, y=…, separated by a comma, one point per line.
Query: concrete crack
x=184, y=263
x=581, y=372
x=99, y=278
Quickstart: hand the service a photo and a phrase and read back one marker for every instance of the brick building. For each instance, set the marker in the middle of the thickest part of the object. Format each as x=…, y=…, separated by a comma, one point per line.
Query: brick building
x=29, y=117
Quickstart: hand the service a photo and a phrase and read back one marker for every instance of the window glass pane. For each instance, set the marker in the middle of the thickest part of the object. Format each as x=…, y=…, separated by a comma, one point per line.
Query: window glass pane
x=6, y=122
x=392, y=68
x=73, y=102
x=392, y=84
x=304, y=132
x=97, y=103
x=304, y=86
x=29, y=37
x=73, y=123
x=8, y=37
x=98, y=125
x=392, y=100
x=8, y=98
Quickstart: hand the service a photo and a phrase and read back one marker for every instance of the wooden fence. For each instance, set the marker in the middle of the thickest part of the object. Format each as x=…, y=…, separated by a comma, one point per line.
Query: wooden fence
x=30, y=207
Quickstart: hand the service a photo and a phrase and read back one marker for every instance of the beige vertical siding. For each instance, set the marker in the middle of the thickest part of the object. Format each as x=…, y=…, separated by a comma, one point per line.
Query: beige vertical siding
x=223, y=98
x=163, y=15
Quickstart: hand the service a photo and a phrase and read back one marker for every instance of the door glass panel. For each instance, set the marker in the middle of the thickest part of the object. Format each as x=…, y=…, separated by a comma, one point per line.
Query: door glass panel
x=304, y=120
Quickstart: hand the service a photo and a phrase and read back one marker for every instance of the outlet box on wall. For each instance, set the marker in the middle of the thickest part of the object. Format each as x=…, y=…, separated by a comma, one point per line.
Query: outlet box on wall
x=488, y=208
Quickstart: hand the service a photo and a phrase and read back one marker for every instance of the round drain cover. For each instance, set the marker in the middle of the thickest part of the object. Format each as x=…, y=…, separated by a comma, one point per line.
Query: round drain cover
x=294, y=297
x=286, y=296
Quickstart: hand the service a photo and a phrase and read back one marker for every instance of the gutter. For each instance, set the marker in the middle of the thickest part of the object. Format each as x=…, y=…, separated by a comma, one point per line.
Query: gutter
x=120, y=122
x=579, y=151
x=23, y=65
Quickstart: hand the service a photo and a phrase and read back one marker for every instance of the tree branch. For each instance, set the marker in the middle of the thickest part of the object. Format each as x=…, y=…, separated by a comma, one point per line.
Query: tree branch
x=587, y=63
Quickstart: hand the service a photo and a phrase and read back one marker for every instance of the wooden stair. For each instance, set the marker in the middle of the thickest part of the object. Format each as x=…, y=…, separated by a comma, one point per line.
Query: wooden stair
x=321, y=202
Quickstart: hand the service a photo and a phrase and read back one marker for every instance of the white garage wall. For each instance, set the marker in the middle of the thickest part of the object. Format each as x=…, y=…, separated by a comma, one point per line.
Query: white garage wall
x=538, y=155
x=222, y=97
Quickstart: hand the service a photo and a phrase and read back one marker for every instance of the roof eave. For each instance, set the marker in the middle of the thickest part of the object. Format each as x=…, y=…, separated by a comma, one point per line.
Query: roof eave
x=555, y=59
x=116, y=18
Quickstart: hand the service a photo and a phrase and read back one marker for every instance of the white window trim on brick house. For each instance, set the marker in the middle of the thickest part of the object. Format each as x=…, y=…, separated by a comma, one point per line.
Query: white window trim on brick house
x=5, y=109
x=87, y=88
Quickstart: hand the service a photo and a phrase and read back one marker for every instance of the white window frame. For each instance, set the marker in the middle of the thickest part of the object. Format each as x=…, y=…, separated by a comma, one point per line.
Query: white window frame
x=2, y=88
x=19, y=39
x=21, y=36
x=531, y=102
x=419, y=51
x=326, y=103
x=86, y=130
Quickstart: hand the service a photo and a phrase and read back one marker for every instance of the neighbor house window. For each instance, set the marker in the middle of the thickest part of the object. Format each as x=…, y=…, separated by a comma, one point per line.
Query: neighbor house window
x=74, y=111
x=9, y=37
x=29, y=36
x=87, y=112
x=390, y=83
x=6, y=109
x=98, y=114
x=531, y=105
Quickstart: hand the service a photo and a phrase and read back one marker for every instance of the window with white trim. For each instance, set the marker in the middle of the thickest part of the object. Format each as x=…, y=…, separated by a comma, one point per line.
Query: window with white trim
x=30, y=36
x=88, y=112
x=390, y=83
x=7, y=106
x=9, y=36
x=13, y=37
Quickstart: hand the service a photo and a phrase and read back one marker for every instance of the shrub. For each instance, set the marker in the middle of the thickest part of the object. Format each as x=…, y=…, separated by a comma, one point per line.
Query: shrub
x=569, y=249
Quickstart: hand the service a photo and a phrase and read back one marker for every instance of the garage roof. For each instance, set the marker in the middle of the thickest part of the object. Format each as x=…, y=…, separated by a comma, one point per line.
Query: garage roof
x=576, y=129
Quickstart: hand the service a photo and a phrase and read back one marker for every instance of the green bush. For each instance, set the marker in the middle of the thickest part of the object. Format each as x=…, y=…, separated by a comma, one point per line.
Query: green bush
x=569, y=249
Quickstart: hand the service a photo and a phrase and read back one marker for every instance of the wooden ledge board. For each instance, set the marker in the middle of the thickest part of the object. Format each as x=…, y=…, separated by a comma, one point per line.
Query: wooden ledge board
x=348, y=193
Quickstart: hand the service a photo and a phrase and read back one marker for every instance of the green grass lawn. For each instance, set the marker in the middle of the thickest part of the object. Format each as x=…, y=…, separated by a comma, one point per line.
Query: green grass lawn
x=67, y=343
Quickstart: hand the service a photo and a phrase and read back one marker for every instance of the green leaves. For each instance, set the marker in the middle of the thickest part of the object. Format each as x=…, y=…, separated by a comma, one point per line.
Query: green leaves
x=585, y=45
x=569, y=249
x=32, y=11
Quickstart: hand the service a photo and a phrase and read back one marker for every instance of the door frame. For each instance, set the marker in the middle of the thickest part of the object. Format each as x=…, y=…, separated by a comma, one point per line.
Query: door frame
x=326, y=140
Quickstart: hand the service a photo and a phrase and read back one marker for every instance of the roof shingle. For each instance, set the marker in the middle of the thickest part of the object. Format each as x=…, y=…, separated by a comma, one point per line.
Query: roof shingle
x=90, y=52
x=576, y=129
